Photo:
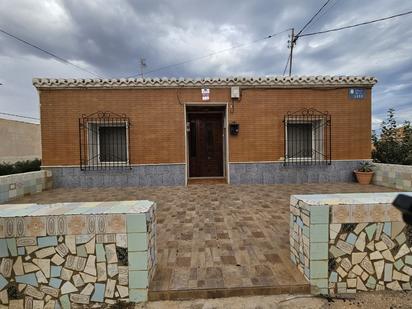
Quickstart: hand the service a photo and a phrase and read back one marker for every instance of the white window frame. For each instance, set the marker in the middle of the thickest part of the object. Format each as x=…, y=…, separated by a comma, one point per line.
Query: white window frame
x=316, y=120
x=97, y=126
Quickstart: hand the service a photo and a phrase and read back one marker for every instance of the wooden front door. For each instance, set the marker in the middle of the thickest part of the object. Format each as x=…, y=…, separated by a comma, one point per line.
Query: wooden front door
x=205, y=139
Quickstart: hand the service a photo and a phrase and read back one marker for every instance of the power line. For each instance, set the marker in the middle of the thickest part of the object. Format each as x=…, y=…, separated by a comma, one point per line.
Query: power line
x=211, y=54
x=356, y=25
x=294, y=38
x=20, y=116
x=310, y=20
x=65, y=61
x=324, y=12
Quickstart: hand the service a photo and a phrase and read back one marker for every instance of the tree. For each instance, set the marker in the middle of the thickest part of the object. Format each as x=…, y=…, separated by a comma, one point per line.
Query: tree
x=395, y=142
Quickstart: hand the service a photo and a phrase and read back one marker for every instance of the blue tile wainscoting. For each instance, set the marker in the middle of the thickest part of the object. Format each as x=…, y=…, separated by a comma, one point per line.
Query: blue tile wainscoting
x=142, y=175
x=174, y=174
x=277, y=173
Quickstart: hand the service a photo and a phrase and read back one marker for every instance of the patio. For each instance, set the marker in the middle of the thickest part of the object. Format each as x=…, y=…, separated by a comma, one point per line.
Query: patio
x=216, y=240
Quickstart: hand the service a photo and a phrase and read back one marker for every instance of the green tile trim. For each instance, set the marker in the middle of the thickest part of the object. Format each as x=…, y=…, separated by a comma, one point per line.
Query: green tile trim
x=319, y=214
x=137, y=242
x=320, y=283
x=138, y=260
x=136, y=223
x=138, y=279
x=138, y=295
x=319, y=233
x=319, y=251
x=318, y=269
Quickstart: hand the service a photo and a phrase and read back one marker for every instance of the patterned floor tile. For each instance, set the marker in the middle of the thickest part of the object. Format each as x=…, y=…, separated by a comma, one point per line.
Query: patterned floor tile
x=216, y=236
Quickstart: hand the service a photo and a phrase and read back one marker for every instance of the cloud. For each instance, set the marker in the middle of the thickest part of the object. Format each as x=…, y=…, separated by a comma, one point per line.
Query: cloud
x=109, y=36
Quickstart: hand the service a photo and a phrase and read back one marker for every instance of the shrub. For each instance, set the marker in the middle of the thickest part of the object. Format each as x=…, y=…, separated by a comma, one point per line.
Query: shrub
x=20, y=167
x=394, y=145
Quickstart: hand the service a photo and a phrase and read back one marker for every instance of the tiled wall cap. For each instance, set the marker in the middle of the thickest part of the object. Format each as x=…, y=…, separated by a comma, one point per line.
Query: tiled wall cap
x=84, y=209
x=393, y=167
x=266, y=81
x=23, y=176
x=349, y=198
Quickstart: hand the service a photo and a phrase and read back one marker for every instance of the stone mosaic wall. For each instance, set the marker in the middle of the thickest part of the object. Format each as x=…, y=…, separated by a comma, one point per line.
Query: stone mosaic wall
x=369, y=256
x=345, y=243
x=56, y=261
x=393, y=175
x=17, y=185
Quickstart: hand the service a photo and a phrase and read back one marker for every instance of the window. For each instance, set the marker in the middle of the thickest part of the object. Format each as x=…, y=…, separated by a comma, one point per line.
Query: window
x=299, y=140
x=104, y=141
x=307, y=137
x=112, y=143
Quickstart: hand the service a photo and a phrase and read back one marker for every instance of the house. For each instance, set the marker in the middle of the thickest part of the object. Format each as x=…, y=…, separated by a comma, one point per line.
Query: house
x=167, y=131
x=400, y=133
x=20, y=141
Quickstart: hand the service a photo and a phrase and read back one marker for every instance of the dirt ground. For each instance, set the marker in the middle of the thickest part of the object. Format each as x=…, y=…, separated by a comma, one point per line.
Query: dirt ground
x=386, y=299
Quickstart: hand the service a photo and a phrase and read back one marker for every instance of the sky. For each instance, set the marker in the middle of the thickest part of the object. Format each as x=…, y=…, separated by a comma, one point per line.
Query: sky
x=108, y=37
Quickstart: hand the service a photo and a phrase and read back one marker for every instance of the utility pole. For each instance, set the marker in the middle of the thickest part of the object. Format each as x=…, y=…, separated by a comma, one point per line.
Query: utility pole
x=142, y=66
x=292, y=43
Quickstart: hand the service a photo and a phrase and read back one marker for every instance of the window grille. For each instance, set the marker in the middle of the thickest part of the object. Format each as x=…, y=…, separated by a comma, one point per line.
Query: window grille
x=104, y=141
x=307, y=138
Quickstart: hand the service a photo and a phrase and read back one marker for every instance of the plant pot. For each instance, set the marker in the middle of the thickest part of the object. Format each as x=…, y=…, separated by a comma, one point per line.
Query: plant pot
x=364, y=178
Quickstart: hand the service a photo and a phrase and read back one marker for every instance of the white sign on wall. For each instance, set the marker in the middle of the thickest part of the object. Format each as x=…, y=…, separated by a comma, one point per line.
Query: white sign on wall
x=205, y=94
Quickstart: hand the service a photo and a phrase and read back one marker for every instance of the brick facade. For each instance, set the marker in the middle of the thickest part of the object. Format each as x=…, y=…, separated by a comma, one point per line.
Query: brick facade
x=157, y=119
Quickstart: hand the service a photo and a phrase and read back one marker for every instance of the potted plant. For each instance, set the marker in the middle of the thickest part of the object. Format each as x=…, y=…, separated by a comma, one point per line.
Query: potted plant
x=364, y=173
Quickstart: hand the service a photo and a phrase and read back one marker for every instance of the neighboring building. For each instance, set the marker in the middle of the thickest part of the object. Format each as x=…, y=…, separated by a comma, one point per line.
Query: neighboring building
x=400, y=133
x=98, y=132
x=19, y=141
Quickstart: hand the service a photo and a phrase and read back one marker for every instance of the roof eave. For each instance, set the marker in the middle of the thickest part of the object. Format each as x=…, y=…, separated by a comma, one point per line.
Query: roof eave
x=250, y=82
